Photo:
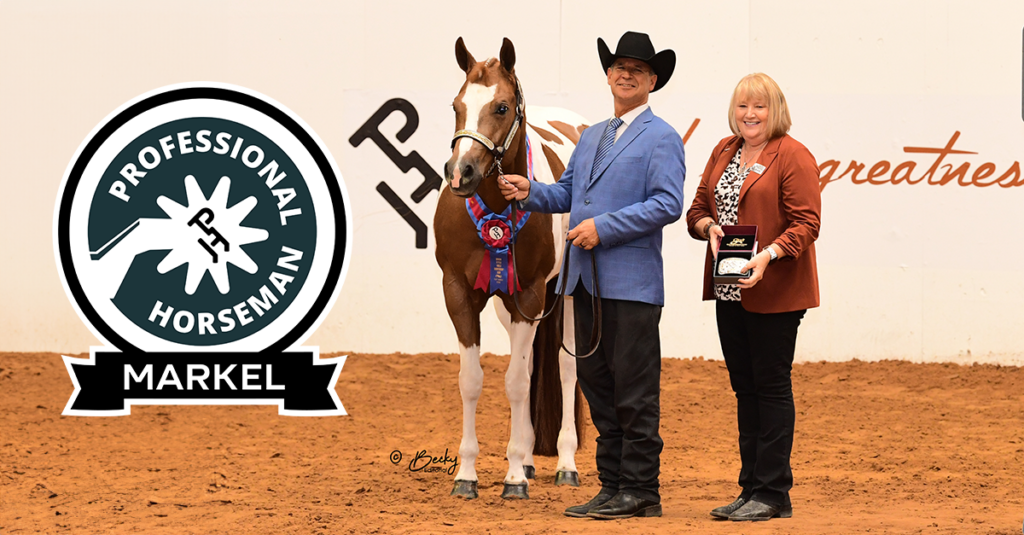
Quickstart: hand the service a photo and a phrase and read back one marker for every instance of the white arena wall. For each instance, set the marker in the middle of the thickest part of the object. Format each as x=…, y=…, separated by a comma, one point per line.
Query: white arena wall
x=926, y=269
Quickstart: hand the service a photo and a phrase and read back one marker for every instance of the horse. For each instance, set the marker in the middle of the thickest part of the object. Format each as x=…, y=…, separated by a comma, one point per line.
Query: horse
x=493, y=137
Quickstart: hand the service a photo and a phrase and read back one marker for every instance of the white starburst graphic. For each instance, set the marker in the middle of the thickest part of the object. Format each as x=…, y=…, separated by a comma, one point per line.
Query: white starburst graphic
x=209, y=235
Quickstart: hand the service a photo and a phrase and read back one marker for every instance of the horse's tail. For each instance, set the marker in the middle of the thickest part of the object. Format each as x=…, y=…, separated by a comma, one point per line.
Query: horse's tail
x=546, y=384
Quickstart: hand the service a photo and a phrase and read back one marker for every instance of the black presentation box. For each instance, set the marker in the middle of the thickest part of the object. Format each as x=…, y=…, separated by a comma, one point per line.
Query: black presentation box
x=739, y=243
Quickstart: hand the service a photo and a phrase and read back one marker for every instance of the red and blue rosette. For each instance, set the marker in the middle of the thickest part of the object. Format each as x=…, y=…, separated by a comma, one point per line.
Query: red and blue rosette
x=495, y=233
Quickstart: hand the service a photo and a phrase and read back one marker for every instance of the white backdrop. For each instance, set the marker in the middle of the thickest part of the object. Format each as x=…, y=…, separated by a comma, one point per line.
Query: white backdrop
x=916, y=271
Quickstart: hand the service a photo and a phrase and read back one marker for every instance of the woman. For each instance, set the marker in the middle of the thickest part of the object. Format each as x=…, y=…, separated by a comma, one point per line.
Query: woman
x=761, y=176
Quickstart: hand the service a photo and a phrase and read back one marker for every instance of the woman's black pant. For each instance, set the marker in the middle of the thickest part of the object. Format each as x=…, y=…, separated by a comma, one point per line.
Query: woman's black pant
x=758, y=350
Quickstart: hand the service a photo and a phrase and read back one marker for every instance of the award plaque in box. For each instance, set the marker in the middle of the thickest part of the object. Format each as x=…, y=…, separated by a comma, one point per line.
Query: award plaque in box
x=735, y=249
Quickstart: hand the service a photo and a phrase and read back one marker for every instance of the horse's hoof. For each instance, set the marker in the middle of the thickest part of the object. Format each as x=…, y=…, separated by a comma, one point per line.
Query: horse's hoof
x=516, y=492
x=531, y=472
x=465, y=488
x=565, y=477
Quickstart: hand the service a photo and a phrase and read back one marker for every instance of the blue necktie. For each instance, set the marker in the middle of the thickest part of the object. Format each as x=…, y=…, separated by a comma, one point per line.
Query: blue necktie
x=606, y=144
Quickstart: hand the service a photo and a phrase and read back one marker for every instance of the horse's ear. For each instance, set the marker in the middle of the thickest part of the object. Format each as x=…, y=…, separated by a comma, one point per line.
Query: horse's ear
x=508, y=55
x=463, y=56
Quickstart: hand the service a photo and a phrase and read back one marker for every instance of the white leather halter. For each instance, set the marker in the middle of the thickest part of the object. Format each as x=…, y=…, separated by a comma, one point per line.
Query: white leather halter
x=497, y=150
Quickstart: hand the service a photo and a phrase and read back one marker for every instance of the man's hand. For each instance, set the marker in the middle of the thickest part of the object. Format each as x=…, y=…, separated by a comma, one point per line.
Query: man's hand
x=585, y=235
x=514, y=187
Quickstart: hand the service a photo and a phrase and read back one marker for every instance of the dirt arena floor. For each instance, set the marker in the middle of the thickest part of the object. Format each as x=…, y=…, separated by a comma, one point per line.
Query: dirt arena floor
x=886, y=447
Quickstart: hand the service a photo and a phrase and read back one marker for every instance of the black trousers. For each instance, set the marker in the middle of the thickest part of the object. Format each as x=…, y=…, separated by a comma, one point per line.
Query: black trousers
x=622, y=384
x=758, y=350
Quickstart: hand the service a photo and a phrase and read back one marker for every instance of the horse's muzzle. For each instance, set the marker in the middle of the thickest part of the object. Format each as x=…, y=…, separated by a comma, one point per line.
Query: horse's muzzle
x=462, y=179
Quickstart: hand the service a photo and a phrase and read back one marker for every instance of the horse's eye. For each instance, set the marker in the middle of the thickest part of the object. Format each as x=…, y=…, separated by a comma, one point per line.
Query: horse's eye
x=502, y=109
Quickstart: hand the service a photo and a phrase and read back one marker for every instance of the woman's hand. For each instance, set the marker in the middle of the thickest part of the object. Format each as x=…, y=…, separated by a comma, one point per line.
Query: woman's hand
x=758, y=265
x=715, y=235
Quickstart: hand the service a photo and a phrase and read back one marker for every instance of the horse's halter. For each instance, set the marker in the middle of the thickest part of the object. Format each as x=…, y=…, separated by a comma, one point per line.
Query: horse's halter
x=498, y=151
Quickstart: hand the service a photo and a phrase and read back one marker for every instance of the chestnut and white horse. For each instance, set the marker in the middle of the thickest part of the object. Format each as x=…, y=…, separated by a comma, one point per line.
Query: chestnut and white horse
x=492, y=136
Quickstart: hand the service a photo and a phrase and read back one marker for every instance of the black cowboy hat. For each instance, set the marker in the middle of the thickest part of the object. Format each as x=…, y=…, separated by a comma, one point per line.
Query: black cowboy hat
x=638, y=45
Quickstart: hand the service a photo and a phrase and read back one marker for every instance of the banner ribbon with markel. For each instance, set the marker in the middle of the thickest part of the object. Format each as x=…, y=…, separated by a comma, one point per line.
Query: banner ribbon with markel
x=299, y=382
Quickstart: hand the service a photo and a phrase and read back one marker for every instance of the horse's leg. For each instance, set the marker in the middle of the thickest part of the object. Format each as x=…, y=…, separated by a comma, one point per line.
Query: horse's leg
x=464, y=311
x=506, y=321
x=471, y=380
x=567, y=440
x=517, y=387
x=531, y=438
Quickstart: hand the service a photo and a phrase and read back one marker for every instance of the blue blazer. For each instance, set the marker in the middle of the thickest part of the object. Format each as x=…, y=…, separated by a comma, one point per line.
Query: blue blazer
x=637, y=190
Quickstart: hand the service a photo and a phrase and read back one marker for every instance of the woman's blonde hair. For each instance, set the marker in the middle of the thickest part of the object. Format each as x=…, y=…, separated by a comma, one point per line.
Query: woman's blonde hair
x=760, y=86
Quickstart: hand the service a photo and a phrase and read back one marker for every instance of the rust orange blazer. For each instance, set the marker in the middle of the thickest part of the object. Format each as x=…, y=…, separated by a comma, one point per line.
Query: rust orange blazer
x=784, y=202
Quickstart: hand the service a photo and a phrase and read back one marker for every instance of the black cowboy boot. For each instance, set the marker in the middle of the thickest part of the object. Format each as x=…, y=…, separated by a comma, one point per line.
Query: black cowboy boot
x=625, y=506
x=724, y=511
x=580, y=511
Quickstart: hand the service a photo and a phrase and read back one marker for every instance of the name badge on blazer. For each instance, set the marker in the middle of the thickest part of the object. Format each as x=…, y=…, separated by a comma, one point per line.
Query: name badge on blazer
x=757, y=168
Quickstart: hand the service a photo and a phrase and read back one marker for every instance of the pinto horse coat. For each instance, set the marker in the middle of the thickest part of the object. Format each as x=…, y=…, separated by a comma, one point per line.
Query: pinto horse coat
x=487, y=105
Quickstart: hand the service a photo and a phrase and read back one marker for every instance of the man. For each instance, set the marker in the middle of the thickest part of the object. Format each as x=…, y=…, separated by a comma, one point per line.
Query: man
x=623, y=183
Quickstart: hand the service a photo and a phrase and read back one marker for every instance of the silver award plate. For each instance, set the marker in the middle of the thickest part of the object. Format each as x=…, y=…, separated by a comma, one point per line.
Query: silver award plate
x=731, y=266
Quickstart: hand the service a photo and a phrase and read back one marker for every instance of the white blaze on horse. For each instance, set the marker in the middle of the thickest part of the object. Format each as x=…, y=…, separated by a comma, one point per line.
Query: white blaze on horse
x=473, y=226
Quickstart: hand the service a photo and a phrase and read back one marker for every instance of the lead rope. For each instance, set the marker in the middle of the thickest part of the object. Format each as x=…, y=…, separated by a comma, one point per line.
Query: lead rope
x=595, y=298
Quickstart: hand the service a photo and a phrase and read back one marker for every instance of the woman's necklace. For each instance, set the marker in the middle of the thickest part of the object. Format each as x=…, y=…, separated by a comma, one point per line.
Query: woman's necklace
x=749, y=156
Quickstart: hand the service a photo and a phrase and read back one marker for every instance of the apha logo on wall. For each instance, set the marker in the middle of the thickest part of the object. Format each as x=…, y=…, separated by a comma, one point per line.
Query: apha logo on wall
x=203, y=231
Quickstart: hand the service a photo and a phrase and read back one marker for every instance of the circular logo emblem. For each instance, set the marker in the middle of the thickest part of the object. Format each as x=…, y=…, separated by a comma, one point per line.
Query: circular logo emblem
x=497, y=233
x=203, y=218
